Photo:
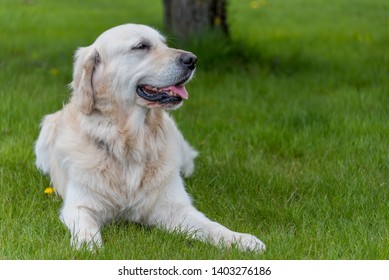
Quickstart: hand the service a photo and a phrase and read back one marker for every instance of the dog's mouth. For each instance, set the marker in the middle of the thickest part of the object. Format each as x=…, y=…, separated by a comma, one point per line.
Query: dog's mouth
x=163, y=95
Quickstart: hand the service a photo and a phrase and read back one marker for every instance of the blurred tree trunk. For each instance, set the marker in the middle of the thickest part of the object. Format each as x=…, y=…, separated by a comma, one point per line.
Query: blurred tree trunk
x=192, y=17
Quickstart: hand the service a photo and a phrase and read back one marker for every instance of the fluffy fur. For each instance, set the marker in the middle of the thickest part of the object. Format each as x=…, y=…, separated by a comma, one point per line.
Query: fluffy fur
x=112, y=154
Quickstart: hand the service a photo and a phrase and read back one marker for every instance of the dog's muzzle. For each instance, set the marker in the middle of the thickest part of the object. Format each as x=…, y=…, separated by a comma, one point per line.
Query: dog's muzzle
x=171, y=94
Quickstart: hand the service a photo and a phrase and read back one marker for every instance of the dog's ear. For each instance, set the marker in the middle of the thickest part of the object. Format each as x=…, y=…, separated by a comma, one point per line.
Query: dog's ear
x=86, y=62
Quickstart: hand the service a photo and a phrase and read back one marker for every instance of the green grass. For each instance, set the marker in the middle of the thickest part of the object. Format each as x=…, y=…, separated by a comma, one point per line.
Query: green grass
x=290, y=118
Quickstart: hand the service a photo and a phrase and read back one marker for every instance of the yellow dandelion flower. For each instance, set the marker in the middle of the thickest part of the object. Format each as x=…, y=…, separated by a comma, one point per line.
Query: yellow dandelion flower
x=254, y=5
x=54, y=71
x=49, y=190
x=257, y=4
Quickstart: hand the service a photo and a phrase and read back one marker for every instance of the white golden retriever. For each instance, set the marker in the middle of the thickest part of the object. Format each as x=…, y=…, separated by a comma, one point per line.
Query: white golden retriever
x=113, y=151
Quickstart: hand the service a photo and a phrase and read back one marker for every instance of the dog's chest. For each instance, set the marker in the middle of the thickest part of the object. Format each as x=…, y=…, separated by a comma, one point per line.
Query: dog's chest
x=144, y=169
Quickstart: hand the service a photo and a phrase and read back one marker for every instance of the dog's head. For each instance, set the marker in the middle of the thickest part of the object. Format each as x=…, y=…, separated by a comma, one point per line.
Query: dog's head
x=132, y=65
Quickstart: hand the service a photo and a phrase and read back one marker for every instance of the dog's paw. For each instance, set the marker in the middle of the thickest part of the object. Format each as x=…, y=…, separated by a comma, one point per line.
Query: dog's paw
x=248, y=242
x=86, y=240
x=241, y=241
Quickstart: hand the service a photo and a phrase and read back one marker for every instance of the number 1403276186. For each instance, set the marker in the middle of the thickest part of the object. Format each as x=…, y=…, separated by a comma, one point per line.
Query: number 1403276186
x=241, y=270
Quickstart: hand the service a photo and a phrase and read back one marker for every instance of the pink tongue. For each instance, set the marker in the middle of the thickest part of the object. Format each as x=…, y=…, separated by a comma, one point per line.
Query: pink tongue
x=179, y=90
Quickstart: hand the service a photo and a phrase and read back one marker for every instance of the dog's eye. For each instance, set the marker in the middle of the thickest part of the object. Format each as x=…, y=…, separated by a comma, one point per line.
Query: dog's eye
x=141, y=46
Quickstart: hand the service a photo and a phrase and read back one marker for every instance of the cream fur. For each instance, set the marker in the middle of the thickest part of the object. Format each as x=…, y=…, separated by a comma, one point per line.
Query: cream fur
x=111, y=154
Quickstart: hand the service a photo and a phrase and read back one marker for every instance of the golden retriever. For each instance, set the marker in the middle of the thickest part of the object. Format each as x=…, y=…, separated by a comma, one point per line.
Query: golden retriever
x=114, y=152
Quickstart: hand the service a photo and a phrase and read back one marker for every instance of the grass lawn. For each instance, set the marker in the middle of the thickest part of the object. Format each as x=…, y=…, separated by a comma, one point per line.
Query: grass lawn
x=290, y=118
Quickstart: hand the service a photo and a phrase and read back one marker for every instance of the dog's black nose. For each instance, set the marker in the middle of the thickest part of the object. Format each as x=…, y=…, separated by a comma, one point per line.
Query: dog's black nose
x=188, y=60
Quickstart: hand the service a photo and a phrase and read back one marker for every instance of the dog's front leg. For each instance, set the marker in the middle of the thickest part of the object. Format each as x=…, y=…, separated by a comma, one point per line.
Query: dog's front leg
x=174, y=211
x=81, y=220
